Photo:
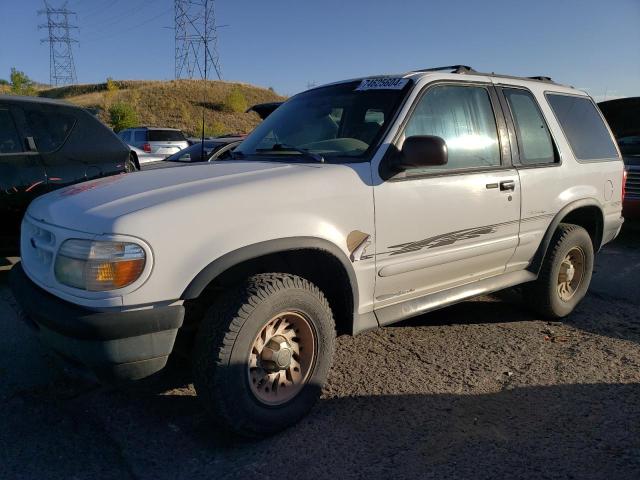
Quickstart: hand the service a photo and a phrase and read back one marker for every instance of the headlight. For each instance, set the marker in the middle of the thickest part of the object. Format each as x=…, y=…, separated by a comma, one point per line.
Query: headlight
x=97, y=265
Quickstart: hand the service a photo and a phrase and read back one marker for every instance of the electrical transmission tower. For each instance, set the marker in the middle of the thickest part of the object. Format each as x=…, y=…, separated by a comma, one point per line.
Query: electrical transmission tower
x=62, y=70
x=196, y=38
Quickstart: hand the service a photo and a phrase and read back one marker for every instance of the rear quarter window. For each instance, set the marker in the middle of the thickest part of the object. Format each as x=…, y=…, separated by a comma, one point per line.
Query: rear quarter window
x=583, y=126
x=165, y=136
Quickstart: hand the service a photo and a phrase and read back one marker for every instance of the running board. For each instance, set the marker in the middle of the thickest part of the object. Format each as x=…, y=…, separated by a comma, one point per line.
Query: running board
x=434, y=301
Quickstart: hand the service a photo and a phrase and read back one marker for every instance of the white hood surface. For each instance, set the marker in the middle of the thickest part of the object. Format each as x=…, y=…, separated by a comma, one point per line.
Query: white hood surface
x=112, y=197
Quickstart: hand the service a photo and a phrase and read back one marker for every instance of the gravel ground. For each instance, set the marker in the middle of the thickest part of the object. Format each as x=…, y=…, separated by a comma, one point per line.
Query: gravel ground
x=484, y=389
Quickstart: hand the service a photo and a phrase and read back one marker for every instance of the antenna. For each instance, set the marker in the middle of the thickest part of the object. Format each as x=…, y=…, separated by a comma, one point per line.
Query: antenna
x=196, y=38
x=62, y=69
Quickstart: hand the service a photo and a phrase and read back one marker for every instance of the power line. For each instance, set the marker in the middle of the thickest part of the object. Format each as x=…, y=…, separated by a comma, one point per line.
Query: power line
x=196, y=38
x=62, y=69
x=129, y=27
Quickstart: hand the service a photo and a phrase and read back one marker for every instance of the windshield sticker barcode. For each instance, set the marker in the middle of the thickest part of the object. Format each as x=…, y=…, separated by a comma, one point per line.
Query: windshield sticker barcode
x=382, y=84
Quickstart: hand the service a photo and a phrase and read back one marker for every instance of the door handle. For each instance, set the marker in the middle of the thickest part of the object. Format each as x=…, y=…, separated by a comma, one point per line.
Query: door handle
x=507, y=185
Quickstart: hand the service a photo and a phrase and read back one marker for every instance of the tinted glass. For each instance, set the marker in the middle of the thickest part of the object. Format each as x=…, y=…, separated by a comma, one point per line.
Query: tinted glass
x=9, y=138
x=583, y=127
x=140, y=136
x=50, y=128
x=464, y=118
x=535, y=142
x=125, y=136
x=165, y=136
x=334, y=121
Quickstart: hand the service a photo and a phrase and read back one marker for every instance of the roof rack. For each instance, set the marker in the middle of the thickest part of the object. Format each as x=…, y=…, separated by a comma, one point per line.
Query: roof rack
x=466, y=69
x=453, y=68
x=542, y=78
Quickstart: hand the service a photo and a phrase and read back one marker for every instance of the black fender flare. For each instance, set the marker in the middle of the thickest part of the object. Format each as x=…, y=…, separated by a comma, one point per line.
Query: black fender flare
x=256, y=250
x=538, y=257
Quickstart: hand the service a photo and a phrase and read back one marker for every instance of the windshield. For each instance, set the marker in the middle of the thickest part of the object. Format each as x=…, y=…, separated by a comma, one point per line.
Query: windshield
x=194, y=152
x=338, y=123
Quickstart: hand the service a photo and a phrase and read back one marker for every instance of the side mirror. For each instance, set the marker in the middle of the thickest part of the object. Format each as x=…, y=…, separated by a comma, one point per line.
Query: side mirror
x=423, y=151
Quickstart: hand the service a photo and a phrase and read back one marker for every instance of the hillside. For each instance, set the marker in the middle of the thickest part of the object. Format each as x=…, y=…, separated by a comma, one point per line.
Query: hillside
x=176, y=103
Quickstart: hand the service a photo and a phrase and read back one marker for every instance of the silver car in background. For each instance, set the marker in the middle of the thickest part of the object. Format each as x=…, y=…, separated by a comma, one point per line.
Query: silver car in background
x=156, y=143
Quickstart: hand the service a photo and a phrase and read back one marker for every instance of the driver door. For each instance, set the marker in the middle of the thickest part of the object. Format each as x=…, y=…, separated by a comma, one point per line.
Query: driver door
x=444, y=226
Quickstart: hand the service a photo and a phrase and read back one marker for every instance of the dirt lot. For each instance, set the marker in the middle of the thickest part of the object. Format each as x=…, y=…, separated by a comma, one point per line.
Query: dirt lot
x=480, y=390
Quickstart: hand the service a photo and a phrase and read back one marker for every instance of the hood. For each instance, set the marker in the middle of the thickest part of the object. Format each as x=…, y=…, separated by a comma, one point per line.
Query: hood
x=105, y=199
x=623, y=115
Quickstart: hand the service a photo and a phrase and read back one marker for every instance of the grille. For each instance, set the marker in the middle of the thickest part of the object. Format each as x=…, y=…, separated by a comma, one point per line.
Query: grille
x=633, y=183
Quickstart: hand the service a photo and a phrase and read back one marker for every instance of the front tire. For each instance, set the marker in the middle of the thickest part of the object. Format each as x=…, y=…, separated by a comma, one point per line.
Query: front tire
x=263, y=354
x=565, y=274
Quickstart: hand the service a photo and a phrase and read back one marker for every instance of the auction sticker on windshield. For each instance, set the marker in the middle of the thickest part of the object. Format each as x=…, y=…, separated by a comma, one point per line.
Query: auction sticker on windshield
x=382, y=84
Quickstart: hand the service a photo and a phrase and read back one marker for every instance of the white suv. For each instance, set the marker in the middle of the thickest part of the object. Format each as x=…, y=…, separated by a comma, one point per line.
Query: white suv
x=354, y=205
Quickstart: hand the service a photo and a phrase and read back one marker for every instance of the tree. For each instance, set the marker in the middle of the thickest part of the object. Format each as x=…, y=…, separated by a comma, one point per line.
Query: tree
x=122, y=115
x=4, y=82
x=21, y=84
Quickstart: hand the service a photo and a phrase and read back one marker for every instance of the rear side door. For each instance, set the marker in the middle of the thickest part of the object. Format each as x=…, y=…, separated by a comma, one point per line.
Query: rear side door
x=22, y=177
x=50, y=126
x=445, y=226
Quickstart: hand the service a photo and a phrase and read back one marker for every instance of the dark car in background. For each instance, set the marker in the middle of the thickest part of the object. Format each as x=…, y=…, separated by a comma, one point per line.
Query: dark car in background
x=264, y=109
x=214, y=149
x=47, y=144
x=623, y=116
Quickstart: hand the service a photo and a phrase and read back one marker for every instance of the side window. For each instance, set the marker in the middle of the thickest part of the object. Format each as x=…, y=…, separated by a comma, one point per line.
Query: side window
x=140, y=136
x=534, y=140
x=9, y=137
x=50, y=128
x=463, y=117
x=583, y=126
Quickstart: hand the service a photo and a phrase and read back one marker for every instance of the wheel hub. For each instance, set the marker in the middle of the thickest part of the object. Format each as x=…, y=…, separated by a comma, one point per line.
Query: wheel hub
x=277, y=354
x=281, y=358
x=571, y=273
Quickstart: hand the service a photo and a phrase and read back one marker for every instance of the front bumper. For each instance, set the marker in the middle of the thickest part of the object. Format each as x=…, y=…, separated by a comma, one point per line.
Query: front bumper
x=118, y=345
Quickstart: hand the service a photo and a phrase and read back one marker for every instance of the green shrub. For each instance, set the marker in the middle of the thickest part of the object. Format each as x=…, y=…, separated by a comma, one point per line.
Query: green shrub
x=112, y=86
x=122, y=115
x=235, y=102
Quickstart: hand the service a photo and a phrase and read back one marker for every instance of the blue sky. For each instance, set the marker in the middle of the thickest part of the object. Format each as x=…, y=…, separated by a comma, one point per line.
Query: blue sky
x=591, y=44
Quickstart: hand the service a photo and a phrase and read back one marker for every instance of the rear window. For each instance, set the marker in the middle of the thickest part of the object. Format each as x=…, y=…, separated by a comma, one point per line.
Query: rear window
x=583, y=126
x=165, y=136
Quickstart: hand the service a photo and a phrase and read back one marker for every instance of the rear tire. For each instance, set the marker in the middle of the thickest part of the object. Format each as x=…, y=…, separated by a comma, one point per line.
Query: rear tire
x=565, y=273
x=242, y=348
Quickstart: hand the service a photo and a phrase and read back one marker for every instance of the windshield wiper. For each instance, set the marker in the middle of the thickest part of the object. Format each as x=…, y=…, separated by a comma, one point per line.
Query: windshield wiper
x=281, y=147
